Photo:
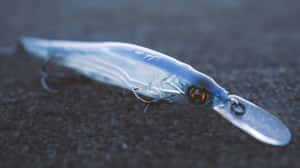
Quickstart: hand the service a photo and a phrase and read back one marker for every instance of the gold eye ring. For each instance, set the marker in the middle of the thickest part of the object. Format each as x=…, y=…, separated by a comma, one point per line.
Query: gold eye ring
x=197, y=95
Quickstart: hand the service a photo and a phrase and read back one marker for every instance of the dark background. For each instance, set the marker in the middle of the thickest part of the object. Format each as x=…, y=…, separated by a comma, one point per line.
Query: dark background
x=251, y=47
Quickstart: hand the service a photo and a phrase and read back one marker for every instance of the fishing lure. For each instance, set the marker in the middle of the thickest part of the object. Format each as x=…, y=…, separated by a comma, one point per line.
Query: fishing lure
x=155, y=75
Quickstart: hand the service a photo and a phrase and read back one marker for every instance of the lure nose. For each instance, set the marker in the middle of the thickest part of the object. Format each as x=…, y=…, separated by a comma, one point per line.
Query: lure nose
x=254, y=120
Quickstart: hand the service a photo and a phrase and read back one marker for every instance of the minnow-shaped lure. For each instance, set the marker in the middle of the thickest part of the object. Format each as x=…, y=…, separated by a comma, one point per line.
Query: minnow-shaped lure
x=160, y=77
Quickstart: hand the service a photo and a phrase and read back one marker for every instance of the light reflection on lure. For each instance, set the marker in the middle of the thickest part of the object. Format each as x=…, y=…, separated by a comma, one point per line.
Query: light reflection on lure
x=150, y=73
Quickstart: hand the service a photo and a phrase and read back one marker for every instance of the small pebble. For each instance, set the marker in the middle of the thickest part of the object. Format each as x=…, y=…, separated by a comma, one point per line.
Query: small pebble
x=25, y=148
x=124, y=146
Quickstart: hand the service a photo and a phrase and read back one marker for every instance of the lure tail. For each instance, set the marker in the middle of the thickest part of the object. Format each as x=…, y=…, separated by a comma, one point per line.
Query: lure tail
x=36, y=46
x=31, y=45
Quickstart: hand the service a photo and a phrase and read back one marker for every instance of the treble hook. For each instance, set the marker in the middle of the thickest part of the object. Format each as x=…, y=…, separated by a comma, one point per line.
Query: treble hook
x=46, y=74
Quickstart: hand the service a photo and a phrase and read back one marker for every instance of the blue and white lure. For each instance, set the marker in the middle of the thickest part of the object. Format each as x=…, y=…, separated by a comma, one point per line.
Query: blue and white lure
x=160, y=77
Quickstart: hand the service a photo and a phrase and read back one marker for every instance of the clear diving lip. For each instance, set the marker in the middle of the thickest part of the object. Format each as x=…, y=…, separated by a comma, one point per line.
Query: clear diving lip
x=255, y=121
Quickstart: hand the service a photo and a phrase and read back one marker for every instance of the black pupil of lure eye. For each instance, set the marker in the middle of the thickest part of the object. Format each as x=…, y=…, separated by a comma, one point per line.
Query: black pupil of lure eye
x=198, y=95
x=238, y=109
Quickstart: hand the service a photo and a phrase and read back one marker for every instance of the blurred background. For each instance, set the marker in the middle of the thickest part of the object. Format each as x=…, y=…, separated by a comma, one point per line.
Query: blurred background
x=251, y=47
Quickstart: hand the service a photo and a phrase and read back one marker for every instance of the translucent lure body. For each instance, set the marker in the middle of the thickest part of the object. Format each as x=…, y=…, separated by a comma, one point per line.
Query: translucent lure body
x=129, y=66
x=158, y=76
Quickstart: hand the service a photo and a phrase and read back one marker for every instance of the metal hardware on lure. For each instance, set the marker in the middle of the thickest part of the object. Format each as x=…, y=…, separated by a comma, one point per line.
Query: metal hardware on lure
x=160, y=77
x=255, y=121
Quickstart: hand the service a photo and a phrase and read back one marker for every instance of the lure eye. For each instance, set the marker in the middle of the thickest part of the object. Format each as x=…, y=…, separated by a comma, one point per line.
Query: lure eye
x=197, y=95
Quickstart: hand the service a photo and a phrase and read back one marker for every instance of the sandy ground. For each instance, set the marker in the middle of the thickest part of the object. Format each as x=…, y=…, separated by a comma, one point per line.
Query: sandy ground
x=251, y=47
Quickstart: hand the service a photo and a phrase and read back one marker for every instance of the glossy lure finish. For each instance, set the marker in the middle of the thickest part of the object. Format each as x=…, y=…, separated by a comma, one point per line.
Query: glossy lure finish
x=125, y=65
x=156, y=75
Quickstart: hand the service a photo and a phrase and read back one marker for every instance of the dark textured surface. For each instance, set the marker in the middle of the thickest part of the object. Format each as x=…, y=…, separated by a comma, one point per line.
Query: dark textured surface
x=250, y=47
